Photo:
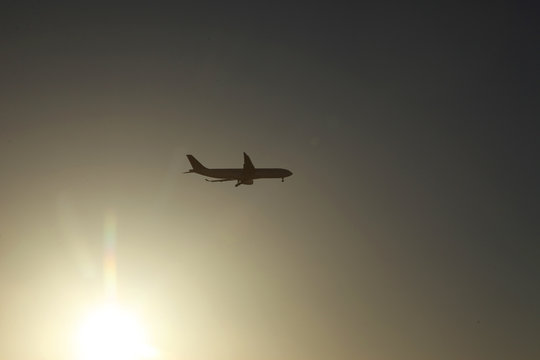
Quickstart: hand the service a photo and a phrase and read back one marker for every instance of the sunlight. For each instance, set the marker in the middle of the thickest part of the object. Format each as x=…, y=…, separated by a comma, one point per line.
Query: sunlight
x=112, y=333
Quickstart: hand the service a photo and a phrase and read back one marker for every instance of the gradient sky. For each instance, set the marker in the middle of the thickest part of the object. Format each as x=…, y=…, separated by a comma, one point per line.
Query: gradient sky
x=409, y=229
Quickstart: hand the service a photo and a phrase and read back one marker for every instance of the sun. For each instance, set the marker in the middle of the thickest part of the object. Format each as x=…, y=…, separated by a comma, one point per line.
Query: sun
x=112, y=333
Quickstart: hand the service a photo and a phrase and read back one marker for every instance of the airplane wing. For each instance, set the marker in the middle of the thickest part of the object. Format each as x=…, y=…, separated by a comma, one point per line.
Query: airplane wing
x=248, y=165
x=220, y=180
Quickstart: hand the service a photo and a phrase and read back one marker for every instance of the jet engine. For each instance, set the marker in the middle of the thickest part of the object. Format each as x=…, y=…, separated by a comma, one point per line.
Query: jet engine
x=247, y=182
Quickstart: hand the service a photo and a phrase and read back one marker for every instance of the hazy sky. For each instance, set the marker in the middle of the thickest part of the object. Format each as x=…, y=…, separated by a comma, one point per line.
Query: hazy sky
x=409, y=229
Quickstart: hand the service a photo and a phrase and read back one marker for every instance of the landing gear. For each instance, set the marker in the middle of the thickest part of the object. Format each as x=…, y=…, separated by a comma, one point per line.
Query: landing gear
x=282, y=179
x=243, y=182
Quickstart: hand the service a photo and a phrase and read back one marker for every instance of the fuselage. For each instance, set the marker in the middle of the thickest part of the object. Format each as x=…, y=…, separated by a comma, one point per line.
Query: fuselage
x=241, y=174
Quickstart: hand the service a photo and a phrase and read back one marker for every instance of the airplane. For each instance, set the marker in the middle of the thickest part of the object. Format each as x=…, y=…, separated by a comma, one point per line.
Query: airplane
x=245, y=176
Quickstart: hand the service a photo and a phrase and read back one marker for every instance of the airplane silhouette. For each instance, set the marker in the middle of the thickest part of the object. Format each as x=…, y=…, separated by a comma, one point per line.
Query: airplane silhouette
x=245, y=176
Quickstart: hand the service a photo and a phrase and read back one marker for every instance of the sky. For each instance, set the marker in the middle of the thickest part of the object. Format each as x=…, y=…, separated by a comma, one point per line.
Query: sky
x=409, y=229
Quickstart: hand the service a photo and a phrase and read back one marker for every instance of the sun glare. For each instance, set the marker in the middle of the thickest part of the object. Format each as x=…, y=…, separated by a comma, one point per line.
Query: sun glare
x=112, y=333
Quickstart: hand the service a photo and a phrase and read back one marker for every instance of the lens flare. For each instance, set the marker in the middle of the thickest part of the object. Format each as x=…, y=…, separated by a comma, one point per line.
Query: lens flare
x=109, y=258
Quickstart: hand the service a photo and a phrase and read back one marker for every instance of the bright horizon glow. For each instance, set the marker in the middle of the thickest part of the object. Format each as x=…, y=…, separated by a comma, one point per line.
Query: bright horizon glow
x=112, y=333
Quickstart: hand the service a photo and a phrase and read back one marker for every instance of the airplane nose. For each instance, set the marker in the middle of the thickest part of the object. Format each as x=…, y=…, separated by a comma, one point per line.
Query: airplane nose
x=289, y=173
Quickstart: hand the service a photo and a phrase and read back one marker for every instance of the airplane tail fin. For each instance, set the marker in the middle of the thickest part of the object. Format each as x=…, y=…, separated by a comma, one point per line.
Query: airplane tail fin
x=195, y=164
